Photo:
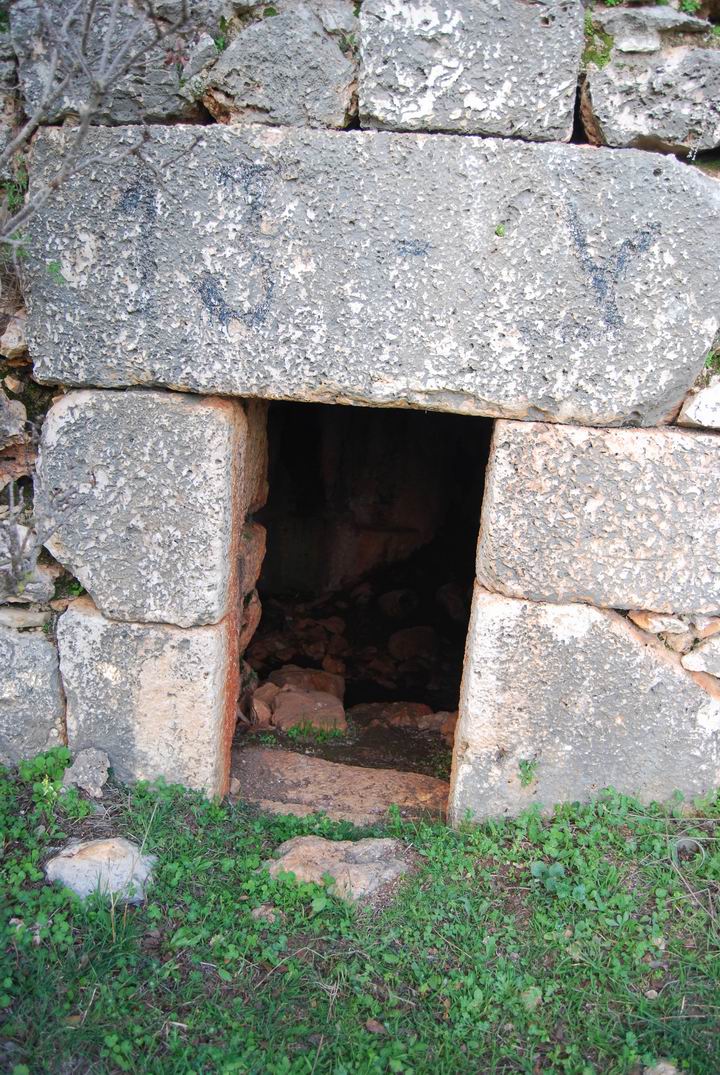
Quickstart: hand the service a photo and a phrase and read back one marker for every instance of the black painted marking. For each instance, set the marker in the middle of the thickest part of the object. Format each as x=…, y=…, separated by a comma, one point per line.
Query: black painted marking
x=604, y=278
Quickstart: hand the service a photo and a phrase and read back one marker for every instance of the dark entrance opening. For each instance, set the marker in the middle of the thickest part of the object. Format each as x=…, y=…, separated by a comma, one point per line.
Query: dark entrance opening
x=372, y=522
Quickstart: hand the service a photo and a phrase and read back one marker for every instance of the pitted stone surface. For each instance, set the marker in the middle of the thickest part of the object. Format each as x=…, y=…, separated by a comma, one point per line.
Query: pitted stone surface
x=451, y=273
x=507, y=68
x=624, y=518
x=284, y=69
x=144, y=491
x=150, y=92
x=115, y=867
x=159, y=700
x=661, y=87
x=560, y=701
x=32, y=710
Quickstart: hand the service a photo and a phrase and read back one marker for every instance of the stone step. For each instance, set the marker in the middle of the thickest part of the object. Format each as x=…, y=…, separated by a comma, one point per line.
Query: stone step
x=283, y=782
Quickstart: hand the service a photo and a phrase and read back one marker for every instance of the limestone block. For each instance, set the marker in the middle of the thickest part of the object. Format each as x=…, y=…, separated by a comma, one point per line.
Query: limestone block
x=158, y=699
x=12, y=420
x=145, y=490
x=624, y=518
x=32, y=711
x=702, y=408
x=473, y=275
x=284, y=69
x=149, y=93
x=507, y=69
x=560, y=701
x=252, y=552
x=661, y=86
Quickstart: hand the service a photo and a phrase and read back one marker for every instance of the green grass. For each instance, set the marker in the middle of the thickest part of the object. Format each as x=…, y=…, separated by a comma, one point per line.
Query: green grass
x=482, y=961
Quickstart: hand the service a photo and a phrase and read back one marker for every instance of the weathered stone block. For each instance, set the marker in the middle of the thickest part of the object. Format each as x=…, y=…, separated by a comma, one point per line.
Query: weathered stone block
x=461, y=274
x=159, y=700
x=145, y=490
x=149, y=92
x=32, y=709
x=661, y=86
x=284, y=69
x=620, y=518
x=560, y=701
x=504, y=69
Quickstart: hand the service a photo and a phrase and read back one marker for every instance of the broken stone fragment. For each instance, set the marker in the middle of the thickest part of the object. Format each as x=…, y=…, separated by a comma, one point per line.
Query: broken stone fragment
x=89, y=772
x=702, y=407
x=23, y=619
x=434, y=67
x=252, y=553
x=358, y=868
x=399, y=714
x=311, y=679
x=115, y=867
x=661, y=86
x=318, y=709
x=657, y=624
x=13, y=342
x=412, y=643
x=251, y=614
x=283, y=782
x=678, y=642
x=704, y=658
x=141, y=491
x=161, y=700
x=32, y=709
x=12, y=420
x=594, y=703
x=621, y=518
x=233, y=280
x=285, y=69
x=705, y=626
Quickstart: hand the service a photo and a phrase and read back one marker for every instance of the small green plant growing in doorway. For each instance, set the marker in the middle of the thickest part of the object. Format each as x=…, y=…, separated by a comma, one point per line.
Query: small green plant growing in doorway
x=528, y=771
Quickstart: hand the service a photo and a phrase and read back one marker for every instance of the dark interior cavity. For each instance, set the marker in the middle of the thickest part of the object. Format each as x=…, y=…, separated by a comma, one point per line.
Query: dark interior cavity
x=372, y=523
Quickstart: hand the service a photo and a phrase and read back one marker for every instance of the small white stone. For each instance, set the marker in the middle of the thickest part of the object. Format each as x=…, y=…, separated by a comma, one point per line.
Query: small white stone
x=358, y=868
x=702, y=408
x=704, y=658
x=114, y=867
x=89, y=772
x=657, y=624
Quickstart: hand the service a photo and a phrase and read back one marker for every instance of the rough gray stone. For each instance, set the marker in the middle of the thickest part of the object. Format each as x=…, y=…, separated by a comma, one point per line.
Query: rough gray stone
x=560, y=701
x=89, y=772
x=32, y=711
x=285, y=69
x=624, y=518
x=658, y=90
x=358, y=867
x=148, y=93
x=12, y=420
x=702, y=407
x=114, y=867
x=502, y=69
x=160, y=700
x=641, y=29
x=23, y=619
x=704, y=658
x=143, y=490
x=31, y=583
x=472, y=275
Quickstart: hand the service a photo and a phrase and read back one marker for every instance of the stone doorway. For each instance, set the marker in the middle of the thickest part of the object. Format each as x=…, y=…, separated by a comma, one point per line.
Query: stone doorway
x=351, y=680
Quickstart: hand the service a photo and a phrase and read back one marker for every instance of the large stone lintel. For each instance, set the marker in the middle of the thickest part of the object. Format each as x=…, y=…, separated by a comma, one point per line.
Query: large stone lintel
x=561, y=701
x=454, y=273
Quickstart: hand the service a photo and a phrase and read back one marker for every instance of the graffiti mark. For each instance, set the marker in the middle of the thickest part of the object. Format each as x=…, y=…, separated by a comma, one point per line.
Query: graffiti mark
x=412, y=248
x=252, y=181
x=139, y=201
x=209, y=289
x=604, y=278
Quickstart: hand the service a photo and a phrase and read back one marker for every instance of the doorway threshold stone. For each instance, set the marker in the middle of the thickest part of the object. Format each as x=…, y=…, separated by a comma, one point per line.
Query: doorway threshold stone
x=283, y=782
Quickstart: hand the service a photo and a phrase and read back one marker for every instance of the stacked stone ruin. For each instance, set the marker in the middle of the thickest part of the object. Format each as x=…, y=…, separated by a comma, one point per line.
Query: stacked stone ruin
x=389, y=213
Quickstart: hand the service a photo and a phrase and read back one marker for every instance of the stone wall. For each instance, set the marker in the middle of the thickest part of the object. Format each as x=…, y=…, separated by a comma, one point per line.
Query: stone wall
x=498, y=210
